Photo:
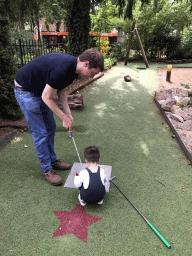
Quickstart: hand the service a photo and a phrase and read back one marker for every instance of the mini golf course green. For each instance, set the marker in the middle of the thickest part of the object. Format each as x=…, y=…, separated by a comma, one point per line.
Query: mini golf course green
x=123, y=120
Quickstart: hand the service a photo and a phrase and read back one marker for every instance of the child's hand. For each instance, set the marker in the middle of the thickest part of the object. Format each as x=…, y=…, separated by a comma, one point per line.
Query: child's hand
x=76, y=174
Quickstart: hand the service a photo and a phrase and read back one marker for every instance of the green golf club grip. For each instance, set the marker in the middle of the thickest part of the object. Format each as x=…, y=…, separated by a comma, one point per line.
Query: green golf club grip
x=159, y=235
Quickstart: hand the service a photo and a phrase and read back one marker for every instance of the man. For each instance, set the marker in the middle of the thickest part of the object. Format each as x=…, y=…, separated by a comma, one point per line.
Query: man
x=35, y=86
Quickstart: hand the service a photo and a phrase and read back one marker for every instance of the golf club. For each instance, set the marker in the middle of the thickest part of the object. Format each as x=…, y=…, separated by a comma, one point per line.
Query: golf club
x=76, y=149
x=151, y=226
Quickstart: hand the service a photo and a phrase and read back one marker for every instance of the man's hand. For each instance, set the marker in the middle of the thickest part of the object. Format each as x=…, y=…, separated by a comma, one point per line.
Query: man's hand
x=71, y=118
x=67, y=123
x=47, y=97
x=68, y=119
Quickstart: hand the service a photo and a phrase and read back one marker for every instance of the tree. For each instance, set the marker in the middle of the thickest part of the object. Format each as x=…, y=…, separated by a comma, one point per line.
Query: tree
x=102, y=20
x=126, y=7
x=78, y=25
x=22, y=11
x=8, y=104
x=157, y=26
x=54, y=12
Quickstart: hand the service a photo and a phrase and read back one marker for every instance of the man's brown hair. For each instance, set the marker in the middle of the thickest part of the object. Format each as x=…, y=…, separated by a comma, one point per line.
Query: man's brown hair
x=94, y=57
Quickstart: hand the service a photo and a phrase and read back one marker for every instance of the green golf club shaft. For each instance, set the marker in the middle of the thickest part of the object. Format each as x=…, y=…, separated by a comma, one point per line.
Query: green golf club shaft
x=151, y=226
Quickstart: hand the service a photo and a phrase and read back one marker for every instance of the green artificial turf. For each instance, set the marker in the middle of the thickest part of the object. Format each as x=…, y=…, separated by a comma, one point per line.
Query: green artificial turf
x=123, y=120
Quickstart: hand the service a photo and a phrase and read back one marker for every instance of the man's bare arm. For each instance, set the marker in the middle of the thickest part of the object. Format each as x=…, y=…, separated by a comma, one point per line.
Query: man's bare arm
x=47, y=97
x=63, y=98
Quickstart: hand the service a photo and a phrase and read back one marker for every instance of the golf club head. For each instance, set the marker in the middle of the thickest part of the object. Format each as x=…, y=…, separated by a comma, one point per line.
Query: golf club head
x=112, y=178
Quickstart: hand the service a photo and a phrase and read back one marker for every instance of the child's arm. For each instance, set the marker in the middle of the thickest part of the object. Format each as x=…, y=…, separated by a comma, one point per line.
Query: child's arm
x=103, y=176
x=78, y=179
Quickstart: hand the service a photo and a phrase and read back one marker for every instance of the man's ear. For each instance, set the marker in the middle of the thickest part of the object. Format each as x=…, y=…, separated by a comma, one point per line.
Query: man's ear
x=86, y=63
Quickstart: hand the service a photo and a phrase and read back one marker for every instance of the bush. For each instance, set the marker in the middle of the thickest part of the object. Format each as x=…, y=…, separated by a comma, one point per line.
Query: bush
x=118, y=50
x=109, y=62
x=8, y=105
x=186, y=42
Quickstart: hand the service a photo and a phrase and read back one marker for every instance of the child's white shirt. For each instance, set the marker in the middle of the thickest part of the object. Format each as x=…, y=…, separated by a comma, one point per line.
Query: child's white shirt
x=83, y=177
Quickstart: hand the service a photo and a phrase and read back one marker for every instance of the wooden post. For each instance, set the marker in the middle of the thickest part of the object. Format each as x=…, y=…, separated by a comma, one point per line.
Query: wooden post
x=169, y=68
x=141, y=46
x=129, y=45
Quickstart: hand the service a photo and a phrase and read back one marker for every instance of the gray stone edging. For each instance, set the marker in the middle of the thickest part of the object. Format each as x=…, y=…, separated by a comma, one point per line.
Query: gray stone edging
x=7, y=138
x=84, y=85
x=174, y=131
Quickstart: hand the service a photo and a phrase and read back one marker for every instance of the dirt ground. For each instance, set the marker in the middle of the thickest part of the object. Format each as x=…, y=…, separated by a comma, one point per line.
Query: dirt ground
x=179, y=76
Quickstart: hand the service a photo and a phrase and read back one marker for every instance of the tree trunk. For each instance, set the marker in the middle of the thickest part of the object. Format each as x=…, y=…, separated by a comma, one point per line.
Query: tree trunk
x=78, y=24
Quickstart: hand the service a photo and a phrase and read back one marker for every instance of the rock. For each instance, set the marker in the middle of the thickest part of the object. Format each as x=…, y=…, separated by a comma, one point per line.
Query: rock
x=176, y=108
x=160, y=94
x=173, y=121
x=183, y=100
x=168, y=93
x=179, y=117
x=186, y=137
x=185, y=116
x=175, y=91
x=176, y=117
x=187, y=125
x=75, y=101
x=182, y=113
x=161, y=102
x=167, y=105
x=127, y=78
x=189, y=91
x=163, y=94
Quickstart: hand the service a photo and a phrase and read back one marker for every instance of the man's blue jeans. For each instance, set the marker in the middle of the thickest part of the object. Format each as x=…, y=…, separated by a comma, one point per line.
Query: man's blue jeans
x=41, y=125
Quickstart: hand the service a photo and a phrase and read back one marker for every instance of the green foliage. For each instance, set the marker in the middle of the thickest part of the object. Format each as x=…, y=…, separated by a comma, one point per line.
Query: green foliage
x=15, y=34
x=159, y=27
x=8, y=104
x=53, y=12
x=181, y=105
x=186, y=43
x=118, y=50
x=108, y=63
x=102, y=21
x=190, y=102
x=185, y=86
x=123, y=26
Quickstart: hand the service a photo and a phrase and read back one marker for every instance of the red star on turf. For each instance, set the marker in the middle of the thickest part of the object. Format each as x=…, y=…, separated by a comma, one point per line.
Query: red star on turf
x=75, y=222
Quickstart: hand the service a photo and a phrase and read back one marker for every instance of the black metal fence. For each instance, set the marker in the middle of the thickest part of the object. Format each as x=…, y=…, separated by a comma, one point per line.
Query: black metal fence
x=27, y=50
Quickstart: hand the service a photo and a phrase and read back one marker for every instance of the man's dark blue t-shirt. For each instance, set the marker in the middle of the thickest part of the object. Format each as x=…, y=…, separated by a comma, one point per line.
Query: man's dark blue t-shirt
x=54, y=69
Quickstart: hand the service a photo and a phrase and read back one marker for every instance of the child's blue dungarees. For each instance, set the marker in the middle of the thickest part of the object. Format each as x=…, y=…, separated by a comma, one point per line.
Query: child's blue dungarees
x=95, y=191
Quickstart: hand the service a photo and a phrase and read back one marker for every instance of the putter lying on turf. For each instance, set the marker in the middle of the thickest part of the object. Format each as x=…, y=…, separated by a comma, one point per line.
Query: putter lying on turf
x=151, y=226
x=76, y=149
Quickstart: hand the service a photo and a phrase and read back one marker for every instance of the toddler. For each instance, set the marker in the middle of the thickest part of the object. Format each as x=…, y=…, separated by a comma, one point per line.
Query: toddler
x=91, y=180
